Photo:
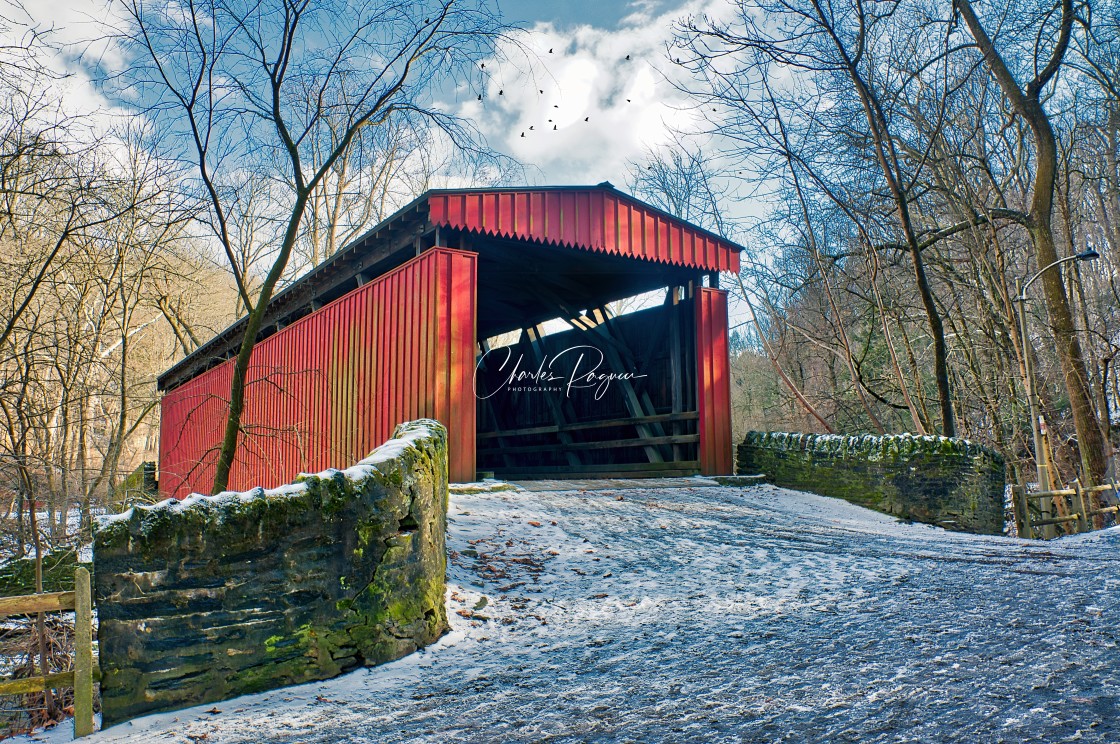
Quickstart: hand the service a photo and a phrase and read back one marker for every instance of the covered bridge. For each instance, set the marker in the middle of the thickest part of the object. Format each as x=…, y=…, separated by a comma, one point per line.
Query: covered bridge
x=439, y=312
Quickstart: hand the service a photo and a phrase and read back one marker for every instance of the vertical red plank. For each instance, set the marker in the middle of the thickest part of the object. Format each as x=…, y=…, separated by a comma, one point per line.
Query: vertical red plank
x=368, y=417
x=394, y=349
x=661, y=225
x=592, y=219
x=596, y=220
x=610, y=224
x=521, y=212
x=442, y=380
x=332, y=385
x=488, y=212
x=625, y=244
x=638, y=229
x=437, y=209
x=554, y=223
x=534, y=205
x=415, y=361
x=569, y=218
x=461, y=414
x=457, y=208
x=649, y=234
x=471, y=212
x=351, y=330
x=713, y=382
x=505, y=214
x=381, y=386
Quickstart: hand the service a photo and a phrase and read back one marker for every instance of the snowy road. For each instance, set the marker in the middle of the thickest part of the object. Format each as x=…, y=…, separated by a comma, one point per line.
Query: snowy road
x=723, y=614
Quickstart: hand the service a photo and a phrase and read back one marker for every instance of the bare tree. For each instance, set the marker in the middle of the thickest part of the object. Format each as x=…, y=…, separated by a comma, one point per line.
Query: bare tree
x=834, y=47
x=1041, y=68
x=290, y=90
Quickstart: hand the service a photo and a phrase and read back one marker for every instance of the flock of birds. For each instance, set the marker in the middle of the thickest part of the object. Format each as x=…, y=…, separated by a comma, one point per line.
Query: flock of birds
x=532, y=127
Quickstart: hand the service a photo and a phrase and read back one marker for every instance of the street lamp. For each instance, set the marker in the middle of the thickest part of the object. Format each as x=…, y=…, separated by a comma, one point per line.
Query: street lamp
x=1042, y=464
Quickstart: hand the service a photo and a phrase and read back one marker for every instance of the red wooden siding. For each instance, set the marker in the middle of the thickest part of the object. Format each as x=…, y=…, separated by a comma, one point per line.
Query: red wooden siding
x=713, y=382
x=327, y=389
x=592, y=219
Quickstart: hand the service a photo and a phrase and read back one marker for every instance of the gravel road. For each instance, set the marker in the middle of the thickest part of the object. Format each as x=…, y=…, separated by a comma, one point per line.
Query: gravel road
x=722, y=614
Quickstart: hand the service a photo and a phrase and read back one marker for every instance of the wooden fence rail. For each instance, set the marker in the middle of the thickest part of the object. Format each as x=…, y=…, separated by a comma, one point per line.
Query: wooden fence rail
x=81, y=678
x=1074, y=508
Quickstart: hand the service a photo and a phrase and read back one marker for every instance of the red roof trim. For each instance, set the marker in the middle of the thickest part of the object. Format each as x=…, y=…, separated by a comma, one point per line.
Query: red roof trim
x=598, y=219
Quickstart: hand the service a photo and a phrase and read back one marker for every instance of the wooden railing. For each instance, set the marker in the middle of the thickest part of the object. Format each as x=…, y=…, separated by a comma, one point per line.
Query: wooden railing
x=1074, y=509
x=81, y=678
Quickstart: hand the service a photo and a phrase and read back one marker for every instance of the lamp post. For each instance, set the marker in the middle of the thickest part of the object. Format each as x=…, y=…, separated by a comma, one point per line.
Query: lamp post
x=1041, y=460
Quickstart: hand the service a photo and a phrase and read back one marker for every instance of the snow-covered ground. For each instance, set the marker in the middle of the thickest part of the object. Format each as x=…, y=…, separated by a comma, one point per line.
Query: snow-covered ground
x=722, y=614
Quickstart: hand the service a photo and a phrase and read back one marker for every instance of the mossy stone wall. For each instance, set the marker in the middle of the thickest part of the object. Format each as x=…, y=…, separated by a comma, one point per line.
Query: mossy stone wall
x=952, y=483
x=213, y=597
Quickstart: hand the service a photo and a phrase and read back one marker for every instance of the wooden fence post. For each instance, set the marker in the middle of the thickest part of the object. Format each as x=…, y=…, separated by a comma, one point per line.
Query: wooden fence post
x=1081, y=506
x=1046, y=506
x=83, y=655
x=1021, y=511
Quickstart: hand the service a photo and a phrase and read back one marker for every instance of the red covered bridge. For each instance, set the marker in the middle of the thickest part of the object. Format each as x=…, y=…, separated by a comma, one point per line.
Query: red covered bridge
x=438, y=312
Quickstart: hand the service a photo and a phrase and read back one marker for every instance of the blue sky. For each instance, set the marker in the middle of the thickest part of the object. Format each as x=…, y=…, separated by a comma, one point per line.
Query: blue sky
x=585, y=110
x=575, y=111
x=604, y=14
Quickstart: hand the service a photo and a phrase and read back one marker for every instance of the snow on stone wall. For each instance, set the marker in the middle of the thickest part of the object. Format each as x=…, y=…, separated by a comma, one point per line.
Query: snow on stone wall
x=212, y=597
x=953, y=483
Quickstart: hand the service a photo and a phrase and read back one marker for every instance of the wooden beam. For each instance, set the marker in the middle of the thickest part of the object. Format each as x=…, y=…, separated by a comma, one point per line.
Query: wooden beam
x=599, y=444
x=34, y=603
x=675, y=366
x=625, y=470
x=36, y=684
x=83, y=654
x=603, y=424
x=530, y=339
x=639, y=404
x=634, y=403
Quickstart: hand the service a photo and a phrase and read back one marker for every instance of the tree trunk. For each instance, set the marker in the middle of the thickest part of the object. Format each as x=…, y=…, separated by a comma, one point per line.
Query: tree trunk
x=228, y=448
x=1027, y=104
x=879, y=129
x=1089, y=439
x=40, y=623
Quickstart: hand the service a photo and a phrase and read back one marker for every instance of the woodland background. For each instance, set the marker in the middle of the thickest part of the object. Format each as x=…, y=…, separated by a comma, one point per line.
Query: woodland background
x=844, y=145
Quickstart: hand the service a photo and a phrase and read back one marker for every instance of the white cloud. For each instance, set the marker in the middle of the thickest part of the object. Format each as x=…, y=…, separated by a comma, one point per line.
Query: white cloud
x=73, y=38
x=583, y=107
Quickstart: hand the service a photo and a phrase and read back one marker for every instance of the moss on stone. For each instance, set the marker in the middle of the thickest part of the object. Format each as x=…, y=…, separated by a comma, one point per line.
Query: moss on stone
x=950, y=482
x=216, y=597
x=17, y=576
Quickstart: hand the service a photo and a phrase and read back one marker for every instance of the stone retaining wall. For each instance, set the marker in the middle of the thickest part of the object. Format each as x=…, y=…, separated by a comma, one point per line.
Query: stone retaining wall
x=952, y=483
x=214, y=597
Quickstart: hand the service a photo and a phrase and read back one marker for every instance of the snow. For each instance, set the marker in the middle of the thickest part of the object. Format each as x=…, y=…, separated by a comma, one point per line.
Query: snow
x=388, y=452
x=721, y=614
x=488, y=485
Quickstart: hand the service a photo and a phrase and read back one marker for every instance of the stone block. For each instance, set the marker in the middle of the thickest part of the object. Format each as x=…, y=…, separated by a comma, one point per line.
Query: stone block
x=208, y=598
x=953, y=483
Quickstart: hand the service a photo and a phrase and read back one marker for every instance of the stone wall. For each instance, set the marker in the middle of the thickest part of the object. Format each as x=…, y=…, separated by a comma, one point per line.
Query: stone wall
x=214, y=597
x=952, y=483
